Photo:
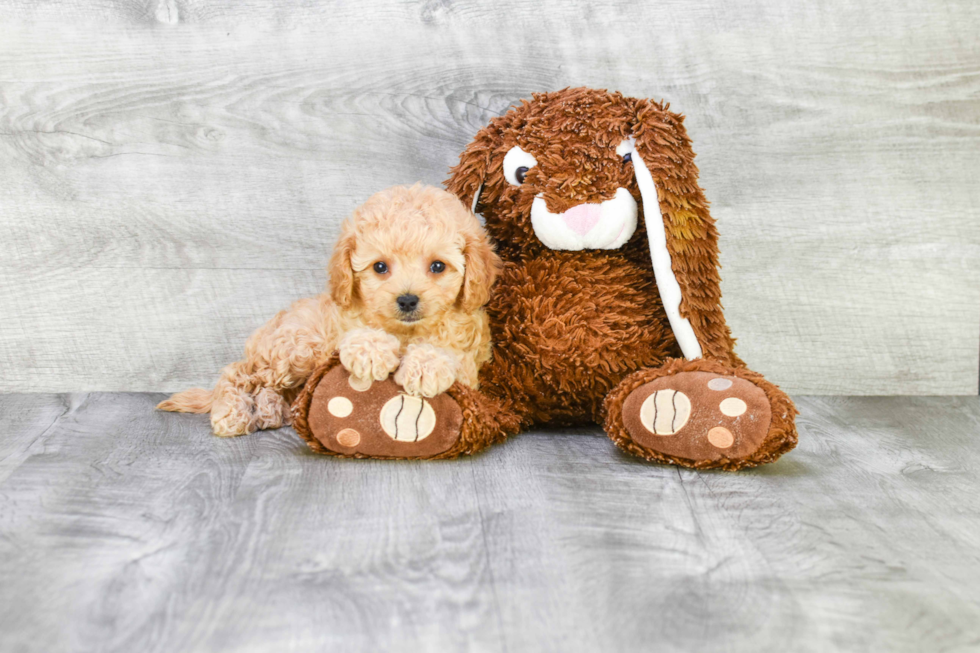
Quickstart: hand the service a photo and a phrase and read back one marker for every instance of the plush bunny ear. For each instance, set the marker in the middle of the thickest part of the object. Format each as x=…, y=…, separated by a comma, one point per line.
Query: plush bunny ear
x=467, y=177
x=682, y=234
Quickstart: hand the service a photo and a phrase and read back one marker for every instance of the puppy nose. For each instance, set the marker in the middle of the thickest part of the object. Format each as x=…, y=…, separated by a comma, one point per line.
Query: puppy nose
x=407, y=303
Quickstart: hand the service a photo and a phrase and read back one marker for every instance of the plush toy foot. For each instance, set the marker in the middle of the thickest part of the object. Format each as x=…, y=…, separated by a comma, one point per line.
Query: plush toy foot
x=341, y=418
x=701, y=414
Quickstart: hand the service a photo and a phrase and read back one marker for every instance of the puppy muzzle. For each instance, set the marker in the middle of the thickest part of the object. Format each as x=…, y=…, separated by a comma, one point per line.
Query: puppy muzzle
x=408, y=308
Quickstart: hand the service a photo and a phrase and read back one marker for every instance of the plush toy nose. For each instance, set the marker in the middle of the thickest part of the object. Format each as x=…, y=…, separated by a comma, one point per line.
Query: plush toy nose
x=582, y=218
x=407, y=303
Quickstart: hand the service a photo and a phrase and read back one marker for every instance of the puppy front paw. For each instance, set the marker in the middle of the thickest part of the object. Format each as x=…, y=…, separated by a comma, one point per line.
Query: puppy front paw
x=426, y=370
x=369, y=354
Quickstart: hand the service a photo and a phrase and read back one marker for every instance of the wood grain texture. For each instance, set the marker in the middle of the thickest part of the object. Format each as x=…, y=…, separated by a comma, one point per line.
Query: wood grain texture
x=174, y=172
x=125, y=529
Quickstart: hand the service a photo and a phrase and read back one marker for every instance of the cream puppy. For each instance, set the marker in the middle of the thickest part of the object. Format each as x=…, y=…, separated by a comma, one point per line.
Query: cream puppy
x=408, y=281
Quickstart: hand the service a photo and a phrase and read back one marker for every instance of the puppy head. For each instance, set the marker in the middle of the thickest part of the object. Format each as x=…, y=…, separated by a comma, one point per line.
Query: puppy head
x=409, y=255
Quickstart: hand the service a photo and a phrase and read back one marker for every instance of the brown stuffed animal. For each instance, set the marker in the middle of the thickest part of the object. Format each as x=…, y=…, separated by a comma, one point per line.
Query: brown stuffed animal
x=608, y=308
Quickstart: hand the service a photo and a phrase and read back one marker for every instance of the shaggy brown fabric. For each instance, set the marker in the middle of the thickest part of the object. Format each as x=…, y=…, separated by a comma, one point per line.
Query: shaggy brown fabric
x=569, y=326
x=467, y=421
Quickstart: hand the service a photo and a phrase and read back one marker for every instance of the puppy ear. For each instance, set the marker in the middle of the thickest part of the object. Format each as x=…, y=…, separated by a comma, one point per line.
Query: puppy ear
x=683, y=237
x=340, y=271
x=482, y=267
x=467, y=177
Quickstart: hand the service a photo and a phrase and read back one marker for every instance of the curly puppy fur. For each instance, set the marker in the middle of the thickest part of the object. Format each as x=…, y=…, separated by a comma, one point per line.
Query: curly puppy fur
x=445, y=338
x=569, y=326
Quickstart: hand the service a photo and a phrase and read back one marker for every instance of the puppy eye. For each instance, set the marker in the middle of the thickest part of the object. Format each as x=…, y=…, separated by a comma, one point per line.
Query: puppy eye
x=627, y=157
x=437, y=267
x=517, y=163
x=381, y=267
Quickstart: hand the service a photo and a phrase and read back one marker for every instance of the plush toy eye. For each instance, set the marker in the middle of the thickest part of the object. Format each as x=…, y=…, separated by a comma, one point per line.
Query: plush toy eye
x=517, y=163
x=437, y=267
x=381, y=267
x=625, y=150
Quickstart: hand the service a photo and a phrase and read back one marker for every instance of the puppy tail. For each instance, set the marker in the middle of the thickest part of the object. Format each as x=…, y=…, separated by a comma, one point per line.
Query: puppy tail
x=195, y=400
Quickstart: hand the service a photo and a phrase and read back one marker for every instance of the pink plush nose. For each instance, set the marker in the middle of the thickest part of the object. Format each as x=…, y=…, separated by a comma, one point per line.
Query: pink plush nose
x=582, y=218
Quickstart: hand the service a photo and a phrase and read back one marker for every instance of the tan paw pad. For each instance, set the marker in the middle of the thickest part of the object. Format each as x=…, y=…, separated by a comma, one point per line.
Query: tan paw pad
x=349, y=438
x=719, y=384
x=733, y=407
x=721, y=437
x=407, y=418
x=340, y=406
x=665, y=412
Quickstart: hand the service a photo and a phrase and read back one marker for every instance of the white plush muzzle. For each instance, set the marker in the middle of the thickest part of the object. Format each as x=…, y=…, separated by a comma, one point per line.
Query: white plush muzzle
x=607, y=225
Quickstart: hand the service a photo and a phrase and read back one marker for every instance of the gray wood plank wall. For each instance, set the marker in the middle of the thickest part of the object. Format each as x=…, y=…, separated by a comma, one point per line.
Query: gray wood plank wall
x=175, y=172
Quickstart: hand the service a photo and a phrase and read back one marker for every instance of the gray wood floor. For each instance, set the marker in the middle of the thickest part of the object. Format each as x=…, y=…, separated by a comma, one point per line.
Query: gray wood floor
x=123, y=529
